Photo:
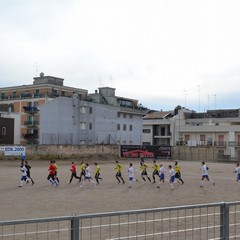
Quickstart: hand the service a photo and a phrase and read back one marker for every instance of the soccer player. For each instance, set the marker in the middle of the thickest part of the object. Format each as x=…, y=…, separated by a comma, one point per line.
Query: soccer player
x=144, y=167
x=155, y=167
x=87, y=176
x=204, y=169
x=162, y=171
x=23, y=157
x=178, y=172
x=73, y=169
x=97, y=173
x=131, y=175
x=28, y=172
x=118, y=170
x=56, y=171
x=51, y=175
x=172, y=176
x=24, y=177
x=237, y=171
x=82, y=169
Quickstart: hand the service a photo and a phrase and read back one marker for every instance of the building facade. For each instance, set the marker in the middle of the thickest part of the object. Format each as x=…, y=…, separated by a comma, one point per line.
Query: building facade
x=215, y=128
x=101, y=119
x=26, y=99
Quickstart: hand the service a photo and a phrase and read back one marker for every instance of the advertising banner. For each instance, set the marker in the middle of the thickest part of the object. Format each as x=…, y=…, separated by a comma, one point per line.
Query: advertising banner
x=146, y=151
x=14, y=150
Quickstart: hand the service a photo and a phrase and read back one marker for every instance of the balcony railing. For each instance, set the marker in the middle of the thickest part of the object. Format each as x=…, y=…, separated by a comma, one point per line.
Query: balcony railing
x=32, y=142
x=234, y=144
x=31, y=123
x=30, y=109
x=220, y=144
x=30, y=136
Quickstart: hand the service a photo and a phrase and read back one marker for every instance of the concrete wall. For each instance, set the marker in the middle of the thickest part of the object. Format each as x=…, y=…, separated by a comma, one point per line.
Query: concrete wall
x=48, y=152
x=199, y=154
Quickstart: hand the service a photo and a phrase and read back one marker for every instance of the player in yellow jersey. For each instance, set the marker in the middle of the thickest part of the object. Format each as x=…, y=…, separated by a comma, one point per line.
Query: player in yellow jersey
x=97, y=173
x=178, y=173
x=118, y=170
x=83, y=170
x=144, y=167
x=155, y=167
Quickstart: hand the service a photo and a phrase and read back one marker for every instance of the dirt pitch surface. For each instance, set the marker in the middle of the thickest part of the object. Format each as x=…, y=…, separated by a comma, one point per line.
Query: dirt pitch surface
x=43, y=200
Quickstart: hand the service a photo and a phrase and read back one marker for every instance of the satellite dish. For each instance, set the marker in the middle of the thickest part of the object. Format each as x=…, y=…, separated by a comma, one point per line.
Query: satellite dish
x=41, y=74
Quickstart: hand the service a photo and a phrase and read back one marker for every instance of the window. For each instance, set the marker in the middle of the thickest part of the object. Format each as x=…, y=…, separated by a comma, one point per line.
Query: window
x=124, y=127
x=90, y=126
x=90, y=109
x=119, y=114
x=83, y=109
x=186, y=138
x=146, y=130
x=82, y=125
x=118, y=127
x=130, y=116
x=63, y=93
x=124, y=115
x=163, y=131
x=130, y=127
x=4, y=131
x=202, y=138
x=82, y=142
x=221, y=152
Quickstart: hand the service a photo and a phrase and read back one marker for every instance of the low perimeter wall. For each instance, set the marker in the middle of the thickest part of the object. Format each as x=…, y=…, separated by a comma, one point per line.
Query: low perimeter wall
x=110, y=152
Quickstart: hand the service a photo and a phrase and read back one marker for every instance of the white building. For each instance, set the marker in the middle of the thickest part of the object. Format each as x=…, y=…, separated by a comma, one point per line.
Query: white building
x=217, y=128
x=102, y=119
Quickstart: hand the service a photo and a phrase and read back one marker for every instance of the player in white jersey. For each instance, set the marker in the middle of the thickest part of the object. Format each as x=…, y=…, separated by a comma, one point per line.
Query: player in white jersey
x=204, y=169
x=172, y=176
x=131, y=175
x=87, y=176
x=24, y=177
x=162, y=171
x=237, y=171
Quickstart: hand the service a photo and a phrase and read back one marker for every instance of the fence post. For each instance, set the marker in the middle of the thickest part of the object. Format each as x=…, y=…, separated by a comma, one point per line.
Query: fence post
x=75, y=228
x=224, y=221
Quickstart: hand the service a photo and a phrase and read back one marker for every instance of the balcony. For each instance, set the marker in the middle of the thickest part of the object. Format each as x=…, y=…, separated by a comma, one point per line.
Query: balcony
x=234, y=144
x=32, y=142
x=30, y=136
x=30, y=109
x=220, y=144
x=31, y=123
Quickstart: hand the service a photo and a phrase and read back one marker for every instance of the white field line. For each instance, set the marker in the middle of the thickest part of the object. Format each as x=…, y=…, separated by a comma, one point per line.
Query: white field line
x=162, y=233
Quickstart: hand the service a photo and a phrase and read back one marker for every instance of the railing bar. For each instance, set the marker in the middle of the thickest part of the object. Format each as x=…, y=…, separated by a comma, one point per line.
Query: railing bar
x=100, y=233
x=153, y=230
x=193, y=223
x=90, y=235
x=145, y=224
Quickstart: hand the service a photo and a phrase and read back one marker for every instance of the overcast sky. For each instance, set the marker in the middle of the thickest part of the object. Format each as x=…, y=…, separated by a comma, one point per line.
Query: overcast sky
x=162, y=52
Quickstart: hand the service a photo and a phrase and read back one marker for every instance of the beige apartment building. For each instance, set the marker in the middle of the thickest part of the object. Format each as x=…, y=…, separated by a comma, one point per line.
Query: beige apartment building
x=25, y=100
x=215, y=128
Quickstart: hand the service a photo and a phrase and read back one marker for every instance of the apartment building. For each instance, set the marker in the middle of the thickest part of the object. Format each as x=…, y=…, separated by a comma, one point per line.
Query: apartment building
x=26, y=99
x=101, y=119
x=216, y=128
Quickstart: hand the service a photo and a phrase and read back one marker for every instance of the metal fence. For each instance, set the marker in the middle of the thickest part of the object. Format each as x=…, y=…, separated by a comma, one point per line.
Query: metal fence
x=205, y=221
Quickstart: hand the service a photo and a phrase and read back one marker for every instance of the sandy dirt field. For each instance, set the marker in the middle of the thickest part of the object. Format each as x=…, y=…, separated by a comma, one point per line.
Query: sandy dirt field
x=43, y=200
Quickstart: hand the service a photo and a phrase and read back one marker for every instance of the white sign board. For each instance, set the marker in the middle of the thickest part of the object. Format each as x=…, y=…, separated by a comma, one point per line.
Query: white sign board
x=14, y=150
